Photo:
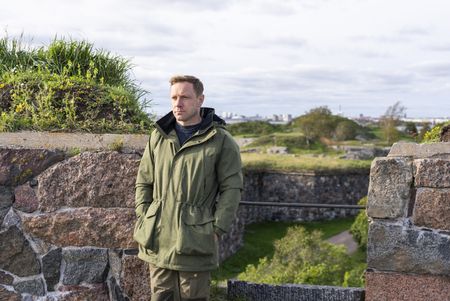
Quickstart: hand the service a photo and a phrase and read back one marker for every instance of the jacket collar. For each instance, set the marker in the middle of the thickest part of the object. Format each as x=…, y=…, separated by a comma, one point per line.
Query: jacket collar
x=167, y=123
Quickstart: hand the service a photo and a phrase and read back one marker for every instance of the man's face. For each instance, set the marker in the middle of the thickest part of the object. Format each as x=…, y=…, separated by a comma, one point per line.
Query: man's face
x=185, y=103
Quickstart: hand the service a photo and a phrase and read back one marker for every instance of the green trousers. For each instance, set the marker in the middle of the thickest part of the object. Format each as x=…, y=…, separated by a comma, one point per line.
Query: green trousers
x=170, y=285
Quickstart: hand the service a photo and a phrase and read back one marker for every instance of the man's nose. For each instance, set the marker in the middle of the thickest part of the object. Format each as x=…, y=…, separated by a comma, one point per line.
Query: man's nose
x=178, y=102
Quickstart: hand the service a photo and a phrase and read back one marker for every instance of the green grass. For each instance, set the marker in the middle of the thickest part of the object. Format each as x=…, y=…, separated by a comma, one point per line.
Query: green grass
x=68, y=86
x=254, y=161
x=259, y=242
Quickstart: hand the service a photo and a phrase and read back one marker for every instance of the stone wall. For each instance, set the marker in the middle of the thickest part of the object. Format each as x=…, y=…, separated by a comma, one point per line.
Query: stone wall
x=301, y=187
x=241, y=290
x=409, y=234
x=66, y=226
x=67, y=214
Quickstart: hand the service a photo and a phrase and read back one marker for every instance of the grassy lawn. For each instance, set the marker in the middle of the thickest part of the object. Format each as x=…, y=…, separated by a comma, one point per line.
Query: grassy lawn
x=259, y=239
x=255, y=161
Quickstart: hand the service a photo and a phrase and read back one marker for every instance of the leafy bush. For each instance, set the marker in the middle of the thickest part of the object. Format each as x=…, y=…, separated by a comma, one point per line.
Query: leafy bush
x=360, y=227
x=68, y=86
x=291, y=141
x=355, y=277
x=433, y=135
x=253, y=128
x=301, y=257
x=345, y=130
x=320, y=122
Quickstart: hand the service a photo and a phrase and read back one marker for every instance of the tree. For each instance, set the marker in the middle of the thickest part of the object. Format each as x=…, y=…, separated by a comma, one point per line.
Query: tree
x=425, y=128
x=345, y=130
x=316, y=123
x=411, y=129
x=301, y=257
x=390, y=120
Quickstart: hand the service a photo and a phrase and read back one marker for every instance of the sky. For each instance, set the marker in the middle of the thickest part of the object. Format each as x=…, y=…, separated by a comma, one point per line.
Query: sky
x=265, y=56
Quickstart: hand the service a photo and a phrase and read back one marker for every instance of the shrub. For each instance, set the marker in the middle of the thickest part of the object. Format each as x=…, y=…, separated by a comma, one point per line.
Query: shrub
x=301, y=257
x=68, y=86
x=253, y=128
x=345, y=130
x=320, y=122
x=360, y=227
x=355, y=277
x=433, y=135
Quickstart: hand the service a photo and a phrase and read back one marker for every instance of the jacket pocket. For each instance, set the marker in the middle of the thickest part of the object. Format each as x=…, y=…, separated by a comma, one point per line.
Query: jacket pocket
x=145, y=228
x=196, y=234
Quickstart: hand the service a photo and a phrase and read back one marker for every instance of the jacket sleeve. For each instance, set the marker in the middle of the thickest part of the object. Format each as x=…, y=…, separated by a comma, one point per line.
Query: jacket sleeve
x=229, y=176
x=144, y=182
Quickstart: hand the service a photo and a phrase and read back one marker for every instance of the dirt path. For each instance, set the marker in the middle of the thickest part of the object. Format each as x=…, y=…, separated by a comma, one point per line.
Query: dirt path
x=346, y=239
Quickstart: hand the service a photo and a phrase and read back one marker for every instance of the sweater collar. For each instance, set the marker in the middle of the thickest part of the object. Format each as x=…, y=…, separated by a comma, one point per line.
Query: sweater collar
x=167, y=123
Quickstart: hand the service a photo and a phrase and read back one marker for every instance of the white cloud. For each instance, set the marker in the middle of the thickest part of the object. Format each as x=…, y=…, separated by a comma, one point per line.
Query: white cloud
x=265, y=56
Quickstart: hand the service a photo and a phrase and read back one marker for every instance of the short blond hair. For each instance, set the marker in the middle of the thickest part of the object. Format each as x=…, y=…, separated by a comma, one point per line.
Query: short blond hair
x=198, y=85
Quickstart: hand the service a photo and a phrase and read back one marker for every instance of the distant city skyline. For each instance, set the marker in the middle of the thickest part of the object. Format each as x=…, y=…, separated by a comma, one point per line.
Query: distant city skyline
x=265, y=56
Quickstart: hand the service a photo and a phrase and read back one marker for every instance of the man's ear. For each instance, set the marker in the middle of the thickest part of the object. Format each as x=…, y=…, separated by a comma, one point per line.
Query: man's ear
x=201, y=99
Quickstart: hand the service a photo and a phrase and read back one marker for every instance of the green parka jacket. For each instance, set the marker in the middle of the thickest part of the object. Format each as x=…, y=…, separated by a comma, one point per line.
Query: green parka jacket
x=176, y=194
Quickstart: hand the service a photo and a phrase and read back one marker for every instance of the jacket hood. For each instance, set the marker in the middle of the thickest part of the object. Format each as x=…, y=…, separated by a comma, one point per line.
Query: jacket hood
x=167, y=123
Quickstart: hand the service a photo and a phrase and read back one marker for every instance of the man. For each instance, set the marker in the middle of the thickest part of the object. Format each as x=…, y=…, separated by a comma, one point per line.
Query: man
x=189, y=160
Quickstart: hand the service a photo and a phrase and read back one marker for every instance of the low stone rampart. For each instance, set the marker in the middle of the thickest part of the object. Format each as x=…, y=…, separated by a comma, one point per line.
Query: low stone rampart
x=67, y=214
x=409, y=234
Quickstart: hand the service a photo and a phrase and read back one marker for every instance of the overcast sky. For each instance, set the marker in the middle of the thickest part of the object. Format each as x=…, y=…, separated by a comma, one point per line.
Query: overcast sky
x=266, y=56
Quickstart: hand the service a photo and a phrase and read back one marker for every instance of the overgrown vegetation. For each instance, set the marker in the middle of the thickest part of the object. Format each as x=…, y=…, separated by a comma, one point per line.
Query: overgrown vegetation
x=254, y=161
x=320, y=122
x=68, y=86
x=254, y=128
x=305, y=257
x=433, y=134
x=360, y=227
x=259, y=239
x=300, y=257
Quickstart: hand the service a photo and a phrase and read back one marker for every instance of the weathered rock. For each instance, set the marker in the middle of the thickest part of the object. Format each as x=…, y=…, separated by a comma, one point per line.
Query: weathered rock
x=241, y=290
x=6, y=200
x=25, y=198
x=282, y=150
x=10, y=219
x=35, y=287
x=51, y=265
x=389, y=188
x=6, y=197
x=6, y=295
x=3, y=213
x=129, y=276
x=68, y=141
x=417, y=151
x=135, y=279
x=104, y=179
x=393, y=247
x=432, y=208
x=84, y=265
x=16, y=254
x=19, y=165
x=97, y=292
x=432, y=173
x=445, y=134
x=116, y=293
x=100, y=227
x=395, y=286
x=115, y=262
x=6, y=278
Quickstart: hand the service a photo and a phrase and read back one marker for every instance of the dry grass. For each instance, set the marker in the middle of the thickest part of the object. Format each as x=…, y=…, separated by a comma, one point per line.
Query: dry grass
x=253, y=161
